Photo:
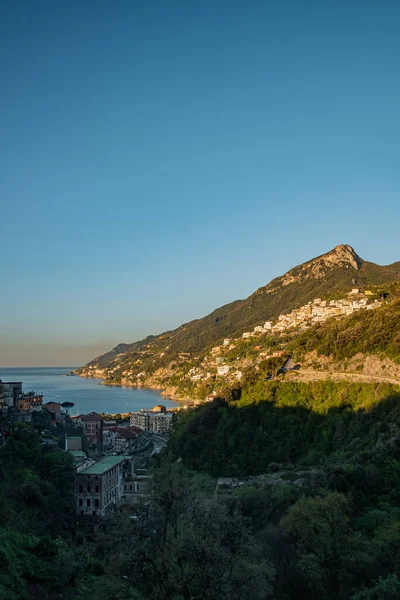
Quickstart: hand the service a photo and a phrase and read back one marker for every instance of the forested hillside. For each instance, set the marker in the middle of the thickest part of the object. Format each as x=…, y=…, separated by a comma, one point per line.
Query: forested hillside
x=336, y=271
x=317, y=468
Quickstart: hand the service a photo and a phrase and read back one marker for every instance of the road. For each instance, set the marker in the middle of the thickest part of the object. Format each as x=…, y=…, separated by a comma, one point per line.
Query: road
x=312, y=375
x=158, y=442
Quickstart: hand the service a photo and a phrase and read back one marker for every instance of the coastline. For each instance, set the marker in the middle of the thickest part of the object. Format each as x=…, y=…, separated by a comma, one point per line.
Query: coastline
x=167, y=393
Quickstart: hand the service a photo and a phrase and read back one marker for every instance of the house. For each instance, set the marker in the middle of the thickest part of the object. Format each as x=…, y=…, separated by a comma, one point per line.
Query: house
x=246, y=334
x=30, y=401
x=73, y=442
x=92, y=427
x=81, y=460
x=53, y=407
x=267, y=325
x=222, y=371
x=125, y=439
x=136, y=486
x=10, y=392
x=159, y=408
x=99, y=487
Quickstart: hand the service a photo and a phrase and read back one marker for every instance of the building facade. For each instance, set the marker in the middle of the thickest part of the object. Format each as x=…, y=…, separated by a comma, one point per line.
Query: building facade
x=92, y=427
x=99, y=488
x=11, y=392
x=156, y=422
x=30, y=401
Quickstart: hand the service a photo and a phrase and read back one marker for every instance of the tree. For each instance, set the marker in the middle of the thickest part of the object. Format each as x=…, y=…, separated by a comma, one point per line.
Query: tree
x=67, y=405
x=190, y=547
x=387, y=588
x=328, y=551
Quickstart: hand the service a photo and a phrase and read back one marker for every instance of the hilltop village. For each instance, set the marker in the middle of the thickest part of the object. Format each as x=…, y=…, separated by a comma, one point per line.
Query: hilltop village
x=200, y=377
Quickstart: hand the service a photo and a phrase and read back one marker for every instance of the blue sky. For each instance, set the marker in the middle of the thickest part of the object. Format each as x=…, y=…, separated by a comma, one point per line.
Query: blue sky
x=161, y=159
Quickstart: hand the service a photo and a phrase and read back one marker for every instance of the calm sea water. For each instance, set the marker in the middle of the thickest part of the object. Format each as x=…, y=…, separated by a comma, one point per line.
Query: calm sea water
x=87, y=394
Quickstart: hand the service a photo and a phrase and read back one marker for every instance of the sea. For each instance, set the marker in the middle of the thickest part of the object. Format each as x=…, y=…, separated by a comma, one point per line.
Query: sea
x=87, y=394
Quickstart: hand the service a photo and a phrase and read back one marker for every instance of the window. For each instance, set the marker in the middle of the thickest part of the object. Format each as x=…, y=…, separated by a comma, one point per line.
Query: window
x=130, y=487
x=80, y=502
x=80, y=489
x=96, y=478
x=89, y=489
x=97, y=489
x=88, y=502
x=96, y=503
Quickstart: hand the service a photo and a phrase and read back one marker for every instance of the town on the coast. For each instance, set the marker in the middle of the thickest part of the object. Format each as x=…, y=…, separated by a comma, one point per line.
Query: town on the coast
x=110, y=452
x=197, y=377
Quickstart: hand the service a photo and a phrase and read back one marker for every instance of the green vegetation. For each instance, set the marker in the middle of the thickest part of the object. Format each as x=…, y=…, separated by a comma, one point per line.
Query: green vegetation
x=315, y=516
x=36, y=495
x=231, y=320
x=368, y=331
x=298, y=423
x=324, y=493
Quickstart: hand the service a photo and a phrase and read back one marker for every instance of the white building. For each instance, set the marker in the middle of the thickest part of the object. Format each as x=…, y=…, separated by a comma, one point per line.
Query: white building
x=223, y=370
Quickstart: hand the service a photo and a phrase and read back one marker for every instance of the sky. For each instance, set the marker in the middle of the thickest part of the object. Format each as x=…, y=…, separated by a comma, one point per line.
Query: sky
x=160, y=159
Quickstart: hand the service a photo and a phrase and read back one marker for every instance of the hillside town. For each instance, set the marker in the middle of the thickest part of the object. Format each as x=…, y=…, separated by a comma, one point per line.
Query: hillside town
x=222, y=363
x=199, y=377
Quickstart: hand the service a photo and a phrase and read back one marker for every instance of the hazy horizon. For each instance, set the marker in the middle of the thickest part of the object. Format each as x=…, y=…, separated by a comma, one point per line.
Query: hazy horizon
x=162, y=160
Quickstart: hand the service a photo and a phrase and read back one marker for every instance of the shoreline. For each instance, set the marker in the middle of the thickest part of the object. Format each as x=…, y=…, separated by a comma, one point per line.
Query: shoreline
x=168, y=395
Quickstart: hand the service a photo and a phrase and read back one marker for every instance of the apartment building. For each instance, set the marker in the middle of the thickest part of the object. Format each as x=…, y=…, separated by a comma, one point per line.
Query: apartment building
x=99, y=488
x=147, y=420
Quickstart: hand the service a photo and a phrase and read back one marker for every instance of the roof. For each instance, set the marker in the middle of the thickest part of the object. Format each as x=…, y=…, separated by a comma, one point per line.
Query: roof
x=93, y=416
x=77, y=453
x=103, y=465
x=125, y=431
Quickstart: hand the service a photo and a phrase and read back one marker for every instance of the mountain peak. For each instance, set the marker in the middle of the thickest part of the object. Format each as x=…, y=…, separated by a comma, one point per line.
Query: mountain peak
x=344, y=253
x=341, y=256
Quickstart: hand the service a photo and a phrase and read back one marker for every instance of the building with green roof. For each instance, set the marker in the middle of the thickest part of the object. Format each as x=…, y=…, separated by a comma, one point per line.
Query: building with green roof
x=99, y=487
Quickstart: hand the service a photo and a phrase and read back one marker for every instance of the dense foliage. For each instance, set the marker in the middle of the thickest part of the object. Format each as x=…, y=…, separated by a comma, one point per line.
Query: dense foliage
x=326, y=504
x=36, y=515
x=314, y=514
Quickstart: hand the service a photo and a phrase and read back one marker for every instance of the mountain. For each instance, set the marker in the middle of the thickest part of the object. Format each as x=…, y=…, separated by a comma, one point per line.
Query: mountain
x=336, y=271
